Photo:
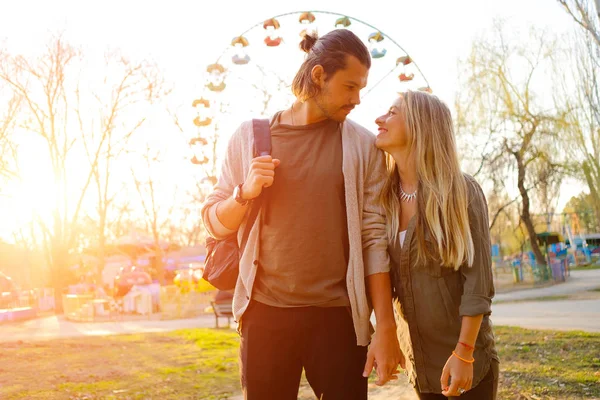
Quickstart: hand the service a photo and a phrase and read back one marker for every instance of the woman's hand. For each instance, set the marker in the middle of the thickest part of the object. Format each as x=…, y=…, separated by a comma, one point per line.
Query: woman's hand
x=458, y=372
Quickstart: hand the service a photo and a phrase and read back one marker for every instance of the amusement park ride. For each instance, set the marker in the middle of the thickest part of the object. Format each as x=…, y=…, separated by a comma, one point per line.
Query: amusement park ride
x=252, y=76
x=566, y=228
x=577, y=240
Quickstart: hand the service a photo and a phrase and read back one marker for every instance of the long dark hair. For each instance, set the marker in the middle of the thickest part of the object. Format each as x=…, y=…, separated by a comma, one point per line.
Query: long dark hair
x=329, y=51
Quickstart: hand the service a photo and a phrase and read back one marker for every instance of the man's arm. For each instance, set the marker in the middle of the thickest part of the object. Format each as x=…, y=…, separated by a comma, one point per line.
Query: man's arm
x=379, y=289
x=224, y=217
x=229, y=212
x=374, y=233
x=384, y=349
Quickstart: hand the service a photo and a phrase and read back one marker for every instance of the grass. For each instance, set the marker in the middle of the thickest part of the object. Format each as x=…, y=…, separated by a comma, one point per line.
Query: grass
x=591, y=294
x=510, y=286
x=203, y=364
x=548, y=364
x=187, y=364
x=586, y=267
x=542, y=298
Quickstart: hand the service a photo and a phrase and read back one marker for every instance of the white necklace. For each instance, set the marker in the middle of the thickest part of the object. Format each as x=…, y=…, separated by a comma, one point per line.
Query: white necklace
x=405, y=196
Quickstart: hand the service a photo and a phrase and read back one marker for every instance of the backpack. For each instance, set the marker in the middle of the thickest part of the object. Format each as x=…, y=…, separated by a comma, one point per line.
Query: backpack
x=221, y=267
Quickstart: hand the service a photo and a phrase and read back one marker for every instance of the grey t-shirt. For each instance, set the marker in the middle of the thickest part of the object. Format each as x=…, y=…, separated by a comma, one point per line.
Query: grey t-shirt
x=304, y=236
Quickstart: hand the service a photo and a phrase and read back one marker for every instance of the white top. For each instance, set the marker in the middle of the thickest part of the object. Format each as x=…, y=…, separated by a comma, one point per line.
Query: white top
x=402, y=236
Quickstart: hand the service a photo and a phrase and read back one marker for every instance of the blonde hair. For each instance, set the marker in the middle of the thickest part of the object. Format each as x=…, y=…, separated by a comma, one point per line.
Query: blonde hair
x=442, y=198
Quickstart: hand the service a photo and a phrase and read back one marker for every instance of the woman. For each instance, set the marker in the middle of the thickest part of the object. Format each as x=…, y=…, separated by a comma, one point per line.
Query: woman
x=437, y=223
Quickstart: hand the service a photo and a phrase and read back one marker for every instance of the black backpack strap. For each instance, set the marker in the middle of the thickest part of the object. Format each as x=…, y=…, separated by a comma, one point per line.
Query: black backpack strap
x=262, y=137
x=262, y=147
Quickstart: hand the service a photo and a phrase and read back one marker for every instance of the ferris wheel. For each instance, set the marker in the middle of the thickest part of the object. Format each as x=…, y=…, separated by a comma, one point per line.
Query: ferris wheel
x=252, y=76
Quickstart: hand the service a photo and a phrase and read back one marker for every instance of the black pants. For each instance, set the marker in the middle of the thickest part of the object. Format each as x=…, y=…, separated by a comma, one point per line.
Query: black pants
x=486, y=389
x=277, y=343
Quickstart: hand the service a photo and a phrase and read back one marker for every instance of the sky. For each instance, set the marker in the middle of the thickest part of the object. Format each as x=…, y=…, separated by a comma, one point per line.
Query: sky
x=183, y=37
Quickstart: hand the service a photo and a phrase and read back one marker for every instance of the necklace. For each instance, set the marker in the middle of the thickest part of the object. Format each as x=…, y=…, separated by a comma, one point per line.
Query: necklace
x=406, y=197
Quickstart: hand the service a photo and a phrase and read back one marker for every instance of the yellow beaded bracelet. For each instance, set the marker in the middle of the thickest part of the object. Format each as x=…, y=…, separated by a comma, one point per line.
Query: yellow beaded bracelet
x=462, y=359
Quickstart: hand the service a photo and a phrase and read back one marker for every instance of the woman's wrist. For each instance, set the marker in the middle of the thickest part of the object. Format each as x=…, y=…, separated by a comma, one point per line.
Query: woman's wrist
x=464, y=350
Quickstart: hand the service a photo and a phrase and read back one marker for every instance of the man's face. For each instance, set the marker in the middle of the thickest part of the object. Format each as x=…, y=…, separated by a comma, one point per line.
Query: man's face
x=340, y=93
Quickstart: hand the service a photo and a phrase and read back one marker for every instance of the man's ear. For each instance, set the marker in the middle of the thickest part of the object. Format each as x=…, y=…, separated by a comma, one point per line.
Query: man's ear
x=318, y=75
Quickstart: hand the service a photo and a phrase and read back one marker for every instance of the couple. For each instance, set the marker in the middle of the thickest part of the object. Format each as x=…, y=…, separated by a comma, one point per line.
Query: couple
x=341, y=233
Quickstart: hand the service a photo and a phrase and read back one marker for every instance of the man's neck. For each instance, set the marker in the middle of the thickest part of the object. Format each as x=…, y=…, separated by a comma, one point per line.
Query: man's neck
x=305, y=113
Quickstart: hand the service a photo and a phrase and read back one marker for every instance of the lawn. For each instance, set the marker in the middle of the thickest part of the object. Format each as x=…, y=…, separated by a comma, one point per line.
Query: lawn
x=586, y=267
x=202, y=364
x=187, y=364
x=548, y=364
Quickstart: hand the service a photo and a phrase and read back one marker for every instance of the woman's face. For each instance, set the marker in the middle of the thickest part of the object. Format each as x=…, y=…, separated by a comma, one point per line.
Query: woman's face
x=392, y=135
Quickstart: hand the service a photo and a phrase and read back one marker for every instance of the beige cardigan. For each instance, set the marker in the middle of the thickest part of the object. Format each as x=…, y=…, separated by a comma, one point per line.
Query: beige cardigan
x=364, y=174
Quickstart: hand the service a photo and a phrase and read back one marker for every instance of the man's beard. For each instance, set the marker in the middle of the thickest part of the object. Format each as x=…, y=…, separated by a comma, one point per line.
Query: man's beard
x=321, y=101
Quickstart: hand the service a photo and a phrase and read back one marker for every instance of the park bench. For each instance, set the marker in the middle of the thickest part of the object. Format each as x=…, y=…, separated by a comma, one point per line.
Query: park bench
x=223, y=310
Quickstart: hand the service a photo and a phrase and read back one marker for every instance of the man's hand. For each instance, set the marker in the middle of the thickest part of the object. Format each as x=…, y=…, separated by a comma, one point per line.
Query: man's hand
x=385, y=355
x=261, y=175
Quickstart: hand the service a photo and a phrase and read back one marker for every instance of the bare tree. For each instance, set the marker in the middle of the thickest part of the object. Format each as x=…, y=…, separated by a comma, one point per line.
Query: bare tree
x=128, y=88
x=504, y=114
x=25, y=239
x=581, y=205
x=122, y=220
x=586, y=14
x=584, y=120
x=42, y=85
x=158, y=214
x=550, y=178
x=52, y=94
x=8, y=117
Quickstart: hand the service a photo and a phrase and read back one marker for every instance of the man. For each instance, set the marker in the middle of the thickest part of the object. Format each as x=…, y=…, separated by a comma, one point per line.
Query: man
x=319, y=241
